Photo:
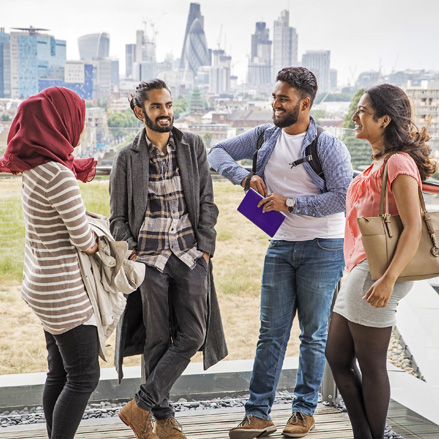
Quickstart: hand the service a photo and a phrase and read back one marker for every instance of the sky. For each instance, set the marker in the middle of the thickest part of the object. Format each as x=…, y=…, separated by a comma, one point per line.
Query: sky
x=390, y=35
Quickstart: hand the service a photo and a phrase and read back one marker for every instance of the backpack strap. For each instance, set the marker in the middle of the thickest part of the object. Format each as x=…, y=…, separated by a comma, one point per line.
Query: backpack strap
x=259, y=143
x=312, y=156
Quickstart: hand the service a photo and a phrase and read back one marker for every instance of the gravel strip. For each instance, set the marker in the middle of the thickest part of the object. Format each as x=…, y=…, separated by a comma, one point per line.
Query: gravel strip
x=399, y=355
x=106, y=409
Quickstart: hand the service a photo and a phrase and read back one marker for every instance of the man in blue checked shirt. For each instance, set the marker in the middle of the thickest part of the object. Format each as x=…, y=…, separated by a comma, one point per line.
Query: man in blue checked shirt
x=304, y=260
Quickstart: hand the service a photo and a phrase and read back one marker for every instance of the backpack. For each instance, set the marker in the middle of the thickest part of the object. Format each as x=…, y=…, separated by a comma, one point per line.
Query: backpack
x=311, y=156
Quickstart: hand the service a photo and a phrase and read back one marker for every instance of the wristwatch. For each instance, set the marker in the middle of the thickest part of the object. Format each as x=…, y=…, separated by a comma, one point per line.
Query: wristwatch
x=290, y=202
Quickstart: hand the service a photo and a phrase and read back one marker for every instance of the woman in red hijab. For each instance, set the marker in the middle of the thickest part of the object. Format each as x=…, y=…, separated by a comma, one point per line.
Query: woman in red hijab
x=41, y=141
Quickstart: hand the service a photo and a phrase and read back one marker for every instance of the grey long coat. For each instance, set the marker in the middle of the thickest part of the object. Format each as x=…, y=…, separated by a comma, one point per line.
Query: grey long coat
x=128, y=201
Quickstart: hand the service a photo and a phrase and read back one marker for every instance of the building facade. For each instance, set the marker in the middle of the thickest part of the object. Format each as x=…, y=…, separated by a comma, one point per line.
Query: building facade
x=34, y=56
x=195, y=53
x=79, y=77
x=130, y=59
x=285, y=43
x=318, y=61
x=219, y=75
x=140, y=58
x=5, y=65
x=94, y=49
x=259, y=66
x=194, y=14
x=94, y=46
x=426, y=111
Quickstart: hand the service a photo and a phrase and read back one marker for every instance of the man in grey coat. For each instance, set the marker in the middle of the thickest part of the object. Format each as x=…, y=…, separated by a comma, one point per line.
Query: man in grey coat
x=161, y=199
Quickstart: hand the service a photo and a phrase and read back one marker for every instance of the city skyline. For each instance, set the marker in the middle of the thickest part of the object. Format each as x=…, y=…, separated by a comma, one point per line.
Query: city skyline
x=390, y=35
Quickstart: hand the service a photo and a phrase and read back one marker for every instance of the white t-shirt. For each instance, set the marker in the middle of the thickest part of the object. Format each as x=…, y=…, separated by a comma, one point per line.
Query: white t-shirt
x=295, y=182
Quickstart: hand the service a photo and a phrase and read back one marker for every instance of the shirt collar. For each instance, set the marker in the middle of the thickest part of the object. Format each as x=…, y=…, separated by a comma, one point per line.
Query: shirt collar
x=153, y=150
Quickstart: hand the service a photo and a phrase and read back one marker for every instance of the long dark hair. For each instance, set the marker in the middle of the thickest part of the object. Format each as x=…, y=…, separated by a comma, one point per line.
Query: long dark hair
x=401, y=134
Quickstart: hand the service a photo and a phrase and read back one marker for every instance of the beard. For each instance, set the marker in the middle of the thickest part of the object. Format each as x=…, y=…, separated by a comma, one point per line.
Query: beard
x=154, y=126
x=289, y=117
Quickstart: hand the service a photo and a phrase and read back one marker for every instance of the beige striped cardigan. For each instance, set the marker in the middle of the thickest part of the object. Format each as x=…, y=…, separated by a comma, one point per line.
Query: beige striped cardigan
x=56, y=224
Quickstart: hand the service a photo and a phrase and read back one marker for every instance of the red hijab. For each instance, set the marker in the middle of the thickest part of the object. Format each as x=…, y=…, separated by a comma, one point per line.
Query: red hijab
x=46, y=128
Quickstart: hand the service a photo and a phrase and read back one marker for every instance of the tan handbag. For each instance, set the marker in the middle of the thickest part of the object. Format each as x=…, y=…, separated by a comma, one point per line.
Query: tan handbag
x=380, y=236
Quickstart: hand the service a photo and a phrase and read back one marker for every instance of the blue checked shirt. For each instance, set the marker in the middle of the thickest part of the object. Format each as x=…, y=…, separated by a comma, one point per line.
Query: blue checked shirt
x=333, y=154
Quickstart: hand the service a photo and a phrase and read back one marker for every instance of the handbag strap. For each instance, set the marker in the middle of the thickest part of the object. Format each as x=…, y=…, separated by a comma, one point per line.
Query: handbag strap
x=384, y=199
x=425, y=215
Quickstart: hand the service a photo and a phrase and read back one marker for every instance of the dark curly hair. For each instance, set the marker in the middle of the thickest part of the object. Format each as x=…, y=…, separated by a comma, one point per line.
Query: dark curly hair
x=401, y=134
x=301, y=79
x=138, y=98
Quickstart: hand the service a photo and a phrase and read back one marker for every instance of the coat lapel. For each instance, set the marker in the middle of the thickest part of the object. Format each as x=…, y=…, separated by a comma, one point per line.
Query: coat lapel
x=187, y=173
x=140, y=177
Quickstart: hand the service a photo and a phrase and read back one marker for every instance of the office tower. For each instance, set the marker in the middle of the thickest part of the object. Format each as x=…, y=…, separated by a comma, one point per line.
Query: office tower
x=5, y=65
x=333, y=79
x=114, y=70
x=195, y=52
x=78, y=76
x=130, y=59
x=145, y=65
x=259, y=66
x=94, y=46
x=219, y=73
x=145, y=45
x=285, y=43
x=94, y=49
x=194, y=13
x=318, y=61
x=34, y=56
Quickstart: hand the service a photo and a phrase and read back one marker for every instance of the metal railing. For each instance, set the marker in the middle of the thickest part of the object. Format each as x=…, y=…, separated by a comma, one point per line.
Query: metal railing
x=329, y=389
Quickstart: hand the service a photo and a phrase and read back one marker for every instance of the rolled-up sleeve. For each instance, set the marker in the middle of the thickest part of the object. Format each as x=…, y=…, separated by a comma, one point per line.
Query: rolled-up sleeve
x=223, y=156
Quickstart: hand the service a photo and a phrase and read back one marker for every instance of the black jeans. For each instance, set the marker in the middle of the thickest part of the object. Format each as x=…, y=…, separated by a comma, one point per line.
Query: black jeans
x=73, y=376
x=179, y=294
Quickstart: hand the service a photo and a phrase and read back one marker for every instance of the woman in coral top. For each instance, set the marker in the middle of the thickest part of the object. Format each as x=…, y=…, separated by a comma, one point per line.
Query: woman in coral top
x=365, y=310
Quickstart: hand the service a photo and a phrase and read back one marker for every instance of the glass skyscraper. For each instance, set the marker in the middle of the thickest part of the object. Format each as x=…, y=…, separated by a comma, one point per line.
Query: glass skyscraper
x=259, y=66
x=195, y=52
x=285, y=42
x=94, y=46
x=34, y=56
x=5, y=65
x=318, y=61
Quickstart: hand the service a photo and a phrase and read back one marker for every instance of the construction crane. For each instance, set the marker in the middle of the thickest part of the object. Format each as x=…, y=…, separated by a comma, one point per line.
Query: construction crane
x=32, y=30
x=219, y=37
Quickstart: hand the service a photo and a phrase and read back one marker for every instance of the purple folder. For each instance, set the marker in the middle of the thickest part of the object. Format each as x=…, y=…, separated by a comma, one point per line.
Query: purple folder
x=269, y=222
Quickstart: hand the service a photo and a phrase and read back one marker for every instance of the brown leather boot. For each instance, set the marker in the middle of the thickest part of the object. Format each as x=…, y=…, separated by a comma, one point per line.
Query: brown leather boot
x=138, y=419
x=299, y=425
x=252, y=427
x=168, y=428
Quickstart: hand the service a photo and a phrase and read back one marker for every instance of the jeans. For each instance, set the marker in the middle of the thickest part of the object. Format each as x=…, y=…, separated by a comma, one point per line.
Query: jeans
x=175, y=318
x=73, y=376
x=298, y=276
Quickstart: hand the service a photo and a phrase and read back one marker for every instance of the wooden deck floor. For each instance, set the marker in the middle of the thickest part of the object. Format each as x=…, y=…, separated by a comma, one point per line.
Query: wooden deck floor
x=330, y=424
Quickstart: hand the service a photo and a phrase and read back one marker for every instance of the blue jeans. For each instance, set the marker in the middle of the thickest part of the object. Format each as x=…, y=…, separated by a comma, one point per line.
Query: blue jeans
x=298, y=276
